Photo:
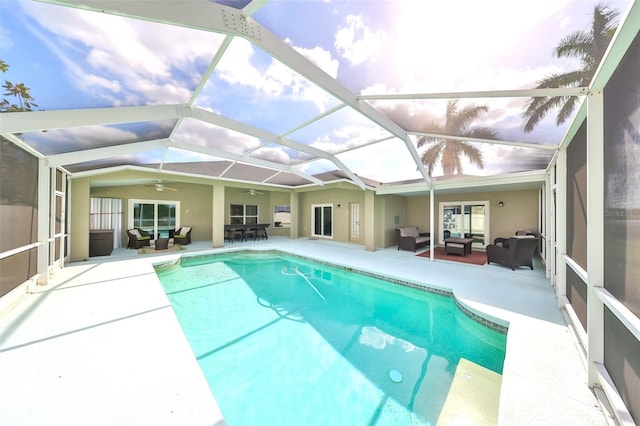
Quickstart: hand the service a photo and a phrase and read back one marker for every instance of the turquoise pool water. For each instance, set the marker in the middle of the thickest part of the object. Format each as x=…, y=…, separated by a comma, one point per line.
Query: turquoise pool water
x=283, y=340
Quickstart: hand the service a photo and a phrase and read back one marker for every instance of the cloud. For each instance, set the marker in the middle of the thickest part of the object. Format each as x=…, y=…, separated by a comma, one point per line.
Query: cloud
x=387, y=161
x=6, y=41
x=356, y=42
x=244, y=65
x=79, y=138
x=122, y=60
x=321, y=58
x=504, y=159
x=205, y=134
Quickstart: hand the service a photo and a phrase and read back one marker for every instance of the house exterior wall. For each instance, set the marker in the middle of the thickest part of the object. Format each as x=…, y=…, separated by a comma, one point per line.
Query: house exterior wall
x=390, y=211
x=331, y=195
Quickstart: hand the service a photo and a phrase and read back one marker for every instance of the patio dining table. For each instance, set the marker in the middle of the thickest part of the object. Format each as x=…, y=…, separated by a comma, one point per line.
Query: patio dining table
x=231, y=230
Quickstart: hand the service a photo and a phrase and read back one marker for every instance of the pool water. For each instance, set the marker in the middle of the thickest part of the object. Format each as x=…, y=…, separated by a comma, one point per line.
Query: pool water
x=286, y=341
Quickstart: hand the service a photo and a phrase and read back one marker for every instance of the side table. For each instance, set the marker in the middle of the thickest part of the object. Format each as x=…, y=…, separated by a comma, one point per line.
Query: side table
x=161, y=243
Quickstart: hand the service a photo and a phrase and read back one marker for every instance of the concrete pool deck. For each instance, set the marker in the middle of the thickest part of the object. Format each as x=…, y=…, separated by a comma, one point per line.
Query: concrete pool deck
x=100, y=344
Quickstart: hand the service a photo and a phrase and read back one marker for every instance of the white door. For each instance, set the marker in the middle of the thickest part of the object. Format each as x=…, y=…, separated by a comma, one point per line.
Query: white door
x=355, y=222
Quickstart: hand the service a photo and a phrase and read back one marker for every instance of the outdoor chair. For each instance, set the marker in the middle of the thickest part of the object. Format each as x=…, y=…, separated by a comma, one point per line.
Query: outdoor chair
x=518, y=252
x=251, y=233
x=182, y=236
x=409, y=238
x=138, y=238
x=504, y=242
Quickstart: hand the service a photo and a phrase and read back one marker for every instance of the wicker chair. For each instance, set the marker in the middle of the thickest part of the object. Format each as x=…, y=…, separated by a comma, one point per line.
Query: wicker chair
x=182, y=236
x=138, y=238
x=518, y=252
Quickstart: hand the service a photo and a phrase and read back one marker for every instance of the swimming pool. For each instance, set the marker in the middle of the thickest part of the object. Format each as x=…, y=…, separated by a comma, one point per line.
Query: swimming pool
x=284, y=340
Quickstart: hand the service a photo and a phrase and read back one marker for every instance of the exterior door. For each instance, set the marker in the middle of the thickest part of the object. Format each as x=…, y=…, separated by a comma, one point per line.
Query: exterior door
x=155, y=217
x=355, y=222
x=466, y=219
x=322, y=220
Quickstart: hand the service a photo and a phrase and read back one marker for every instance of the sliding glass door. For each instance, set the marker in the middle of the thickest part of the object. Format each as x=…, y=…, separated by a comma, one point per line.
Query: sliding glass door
x=322, y=220
x=465, y=219
x=156, y=217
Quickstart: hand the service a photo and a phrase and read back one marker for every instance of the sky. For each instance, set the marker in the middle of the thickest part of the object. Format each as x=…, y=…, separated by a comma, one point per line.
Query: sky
x=72, y=58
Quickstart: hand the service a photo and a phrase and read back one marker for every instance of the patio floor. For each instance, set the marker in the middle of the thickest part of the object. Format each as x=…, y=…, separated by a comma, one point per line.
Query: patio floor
x=100, y=344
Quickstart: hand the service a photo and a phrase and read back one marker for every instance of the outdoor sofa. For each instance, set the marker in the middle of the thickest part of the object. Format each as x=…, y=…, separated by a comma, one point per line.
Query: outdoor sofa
x=409, y=238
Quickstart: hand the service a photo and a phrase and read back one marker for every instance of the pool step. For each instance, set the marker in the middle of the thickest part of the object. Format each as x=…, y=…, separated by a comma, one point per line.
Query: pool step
x=473, y=397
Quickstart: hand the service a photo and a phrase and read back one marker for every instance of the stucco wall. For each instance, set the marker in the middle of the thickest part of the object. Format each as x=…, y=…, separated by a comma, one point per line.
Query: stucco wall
x=394, y=214
x=332, y=195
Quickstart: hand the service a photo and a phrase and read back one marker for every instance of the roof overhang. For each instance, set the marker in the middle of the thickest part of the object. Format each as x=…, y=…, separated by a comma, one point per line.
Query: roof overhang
x=505, y=182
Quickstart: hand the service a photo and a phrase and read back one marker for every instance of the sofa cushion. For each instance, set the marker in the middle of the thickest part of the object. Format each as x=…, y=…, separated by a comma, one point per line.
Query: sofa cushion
x=420, y=240
x=135, y=233
x=410, y=231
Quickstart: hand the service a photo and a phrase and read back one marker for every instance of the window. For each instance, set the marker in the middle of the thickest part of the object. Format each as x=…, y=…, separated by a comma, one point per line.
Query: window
x=322, y=220
x=468, y=219
x=243, y=214
x=156, y=217
x=282, y=216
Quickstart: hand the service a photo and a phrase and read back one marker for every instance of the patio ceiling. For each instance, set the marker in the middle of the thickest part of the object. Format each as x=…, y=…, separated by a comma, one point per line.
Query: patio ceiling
x=286, y=93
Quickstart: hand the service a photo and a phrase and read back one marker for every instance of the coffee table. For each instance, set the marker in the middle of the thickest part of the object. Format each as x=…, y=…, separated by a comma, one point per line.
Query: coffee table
x=161, y=243
x=465, y=242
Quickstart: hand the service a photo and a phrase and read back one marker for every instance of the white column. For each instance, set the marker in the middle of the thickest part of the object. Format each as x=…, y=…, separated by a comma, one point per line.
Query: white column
x=217, y=225
x=44, y=205
x=432, y=242
x=294, y=201
x=63, y=223
x=547, y=227
x=561, y=224
x=595, y=232
x=369, y=221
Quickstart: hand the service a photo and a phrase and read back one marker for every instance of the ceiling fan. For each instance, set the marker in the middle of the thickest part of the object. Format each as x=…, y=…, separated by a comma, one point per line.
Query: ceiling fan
x=161, y=187
x=253, y=192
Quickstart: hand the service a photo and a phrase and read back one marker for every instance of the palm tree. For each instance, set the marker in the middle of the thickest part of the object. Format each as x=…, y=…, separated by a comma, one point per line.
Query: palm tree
x=19, y=91
x=587, y=46
x=450, y=151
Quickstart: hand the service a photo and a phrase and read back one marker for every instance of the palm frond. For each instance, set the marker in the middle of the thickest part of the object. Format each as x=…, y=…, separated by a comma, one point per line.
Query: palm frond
x=481, y=133
x=543, y=106
x=566, y=110
x=430, y=156
x=587, y=46
x=575, y=45
x=473, y=154
x=468, y=115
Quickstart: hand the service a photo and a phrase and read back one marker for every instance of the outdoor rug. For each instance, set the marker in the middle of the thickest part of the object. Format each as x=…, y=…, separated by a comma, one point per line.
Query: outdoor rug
x=151, y=250
x=476, y=257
